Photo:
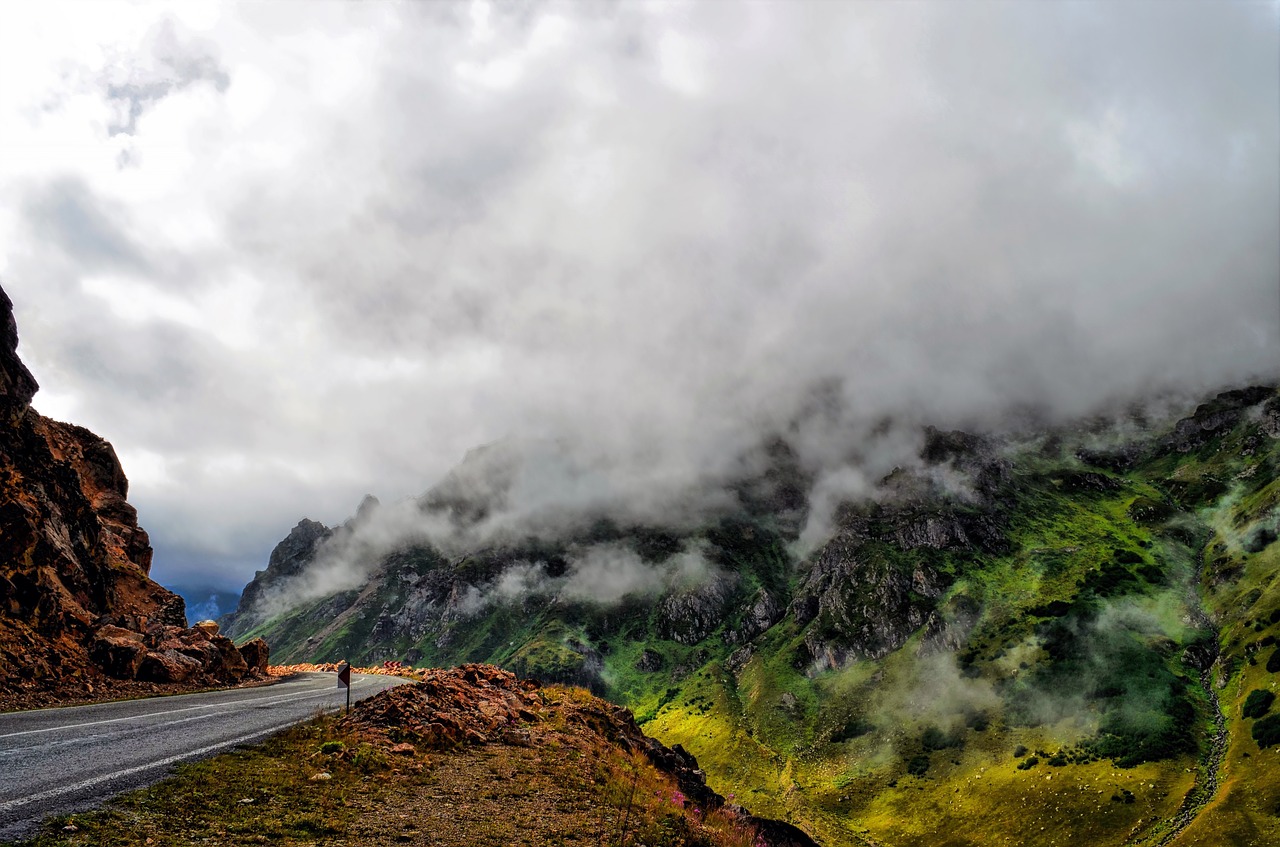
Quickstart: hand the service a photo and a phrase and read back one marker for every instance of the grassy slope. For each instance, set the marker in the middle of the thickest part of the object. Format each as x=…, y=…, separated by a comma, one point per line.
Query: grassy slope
x=847, y=791
x=1077, y=656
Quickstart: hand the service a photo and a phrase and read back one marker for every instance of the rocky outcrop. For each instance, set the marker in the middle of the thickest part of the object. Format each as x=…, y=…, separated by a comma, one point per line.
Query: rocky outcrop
x=691, y=615
x=859, y=603
x=763, y=613
x=483, y=705
x=1216, y=417
x=76, y=601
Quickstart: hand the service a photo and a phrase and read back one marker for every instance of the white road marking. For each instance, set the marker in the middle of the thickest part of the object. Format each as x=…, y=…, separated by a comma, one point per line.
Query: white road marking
x=97, y=780
x=237, y=703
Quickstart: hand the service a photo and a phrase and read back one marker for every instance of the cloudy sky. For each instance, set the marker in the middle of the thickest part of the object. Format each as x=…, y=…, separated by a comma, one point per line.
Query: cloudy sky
x=284, y=254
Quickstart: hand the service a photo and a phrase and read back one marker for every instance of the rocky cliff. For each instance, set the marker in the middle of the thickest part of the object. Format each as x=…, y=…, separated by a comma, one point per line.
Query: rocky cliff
x=76, y=602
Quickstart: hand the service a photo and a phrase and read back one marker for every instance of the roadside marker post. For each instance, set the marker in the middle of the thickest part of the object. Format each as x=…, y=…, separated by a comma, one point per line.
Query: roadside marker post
x=344, y=681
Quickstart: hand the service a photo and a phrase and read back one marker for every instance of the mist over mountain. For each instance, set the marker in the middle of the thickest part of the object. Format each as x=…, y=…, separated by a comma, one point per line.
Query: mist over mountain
x=1099, y=600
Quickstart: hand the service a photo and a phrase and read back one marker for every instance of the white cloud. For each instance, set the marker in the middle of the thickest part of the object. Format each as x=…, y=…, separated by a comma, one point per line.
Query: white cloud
x=350, y=244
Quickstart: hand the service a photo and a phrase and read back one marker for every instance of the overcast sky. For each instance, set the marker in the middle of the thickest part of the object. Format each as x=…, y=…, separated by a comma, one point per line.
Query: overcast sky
x=284, y=254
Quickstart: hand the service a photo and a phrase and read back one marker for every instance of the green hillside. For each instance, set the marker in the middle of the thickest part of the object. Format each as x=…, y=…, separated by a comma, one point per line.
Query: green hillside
x=1076, y=646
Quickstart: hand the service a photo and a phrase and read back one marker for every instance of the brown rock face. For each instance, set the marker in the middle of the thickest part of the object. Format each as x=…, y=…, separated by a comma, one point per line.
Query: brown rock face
x=256, y=653
x=75, y=598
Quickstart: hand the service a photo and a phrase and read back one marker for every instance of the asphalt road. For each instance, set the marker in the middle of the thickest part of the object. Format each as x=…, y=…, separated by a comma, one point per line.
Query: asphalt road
x=57, y=761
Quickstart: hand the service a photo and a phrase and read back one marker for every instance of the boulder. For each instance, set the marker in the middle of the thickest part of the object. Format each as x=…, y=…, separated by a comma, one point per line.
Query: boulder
x=231, y=665
x=167, y=666
x=119, y=657
x=255, y=654
x=208, y=627
x=204, y=653
x=111, y=631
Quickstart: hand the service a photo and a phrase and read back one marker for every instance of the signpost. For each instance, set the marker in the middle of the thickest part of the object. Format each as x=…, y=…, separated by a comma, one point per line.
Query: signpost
x=344, y=681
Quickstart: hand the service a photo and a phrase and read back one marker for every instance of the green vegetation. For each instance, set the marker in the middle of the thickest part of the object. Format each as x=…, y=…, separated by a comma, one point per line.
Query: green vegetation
x=1092, y=638
x=1258, y=703
x=1267, y=731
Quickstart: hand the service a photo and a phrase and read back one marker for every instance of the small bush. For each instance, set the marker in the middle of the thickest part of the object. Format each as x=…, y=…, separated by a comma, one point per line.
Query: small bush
x=1266, y=731
x=1273, y=664
x=935, y=739
x=1028, y=764
x=330, y=747
x=918, y=765
x=1258, y=703
x=854, y=728
x=1019, y=751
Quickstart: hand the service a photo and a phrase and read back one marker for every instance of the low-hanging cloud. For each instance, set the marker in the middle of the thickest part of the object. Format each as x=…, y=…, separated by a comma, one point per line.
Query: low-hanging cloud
x=302, y=259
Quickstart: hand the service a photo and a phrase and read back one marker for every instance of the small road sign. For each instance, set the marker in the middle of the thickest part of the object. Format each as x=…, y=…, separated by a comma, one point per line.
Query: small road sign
x=344, y=680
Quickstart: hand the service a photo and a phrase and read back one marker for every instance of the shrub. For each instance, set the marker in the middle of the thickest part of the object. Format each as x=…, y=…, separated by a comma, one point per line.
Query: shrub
x=854, y=728
x=1019, y=751
x=1028, y=764
x=1266, y=731
x=1273, y=664
x=1258, y=703
x=935, y=739
x=330, y=747
x=918, y=765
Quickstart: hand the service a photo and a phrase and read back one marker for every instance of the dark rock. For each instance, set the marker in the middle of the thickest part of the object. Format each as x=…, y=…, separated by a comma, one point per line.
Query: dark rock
x=650, y=661
x=948, y=629
x=1270, y=420
x=1214, y=418
x=859, y=605
x=738, y=658
x=1263, y=538
x=690, y=616
x=1086, y=481
x=231, y=665
x=1118, y=460
x=119, y=657
x=17, y=385
x=255, y=654
x=763, y=613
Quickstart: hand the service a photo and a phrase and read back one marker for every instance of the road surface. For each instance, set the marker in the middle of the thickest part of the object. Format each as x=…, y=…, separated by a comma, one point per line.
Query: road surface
x=57, y=761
